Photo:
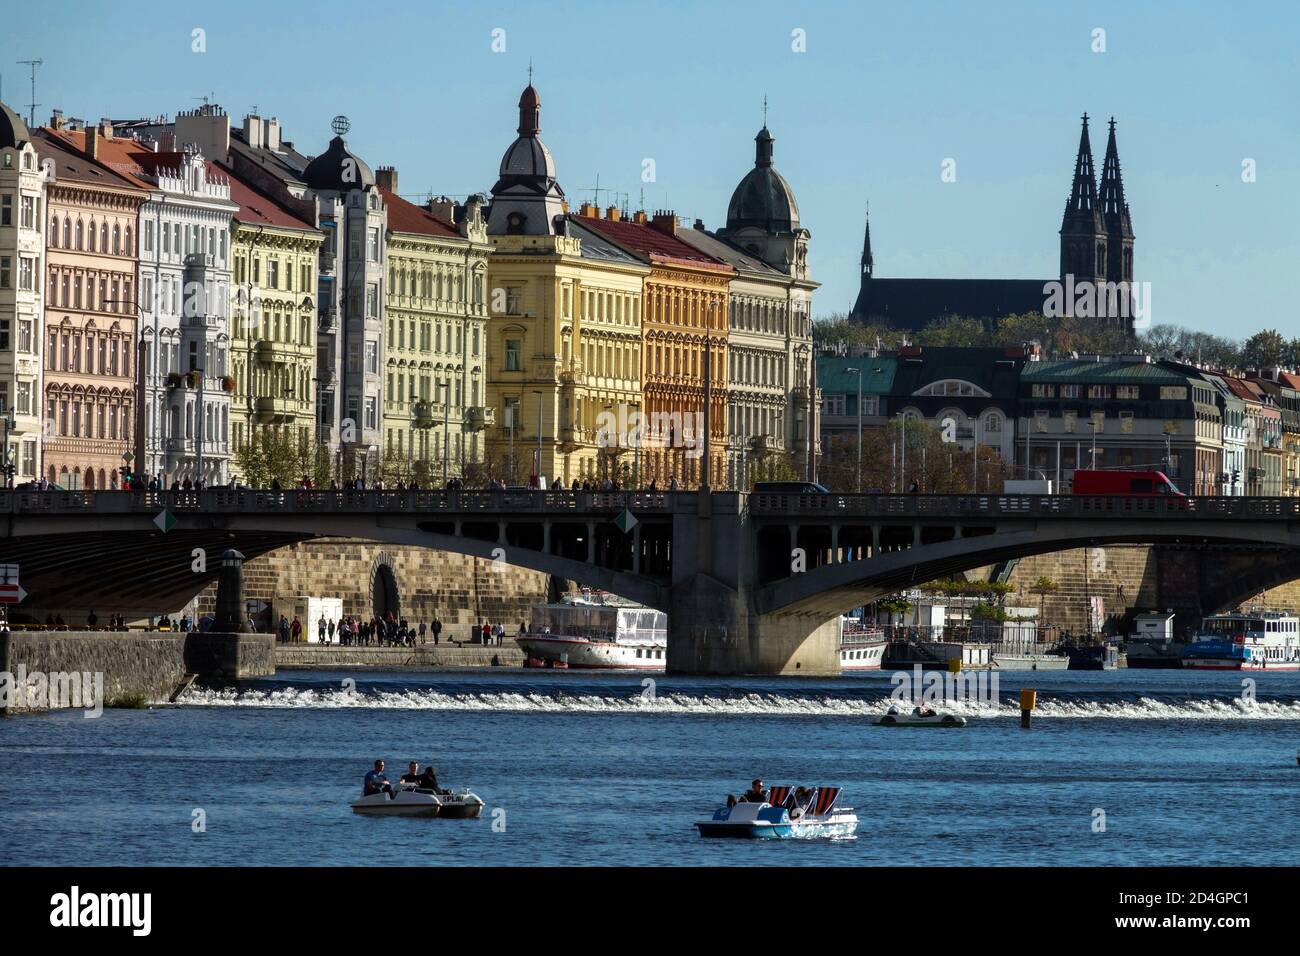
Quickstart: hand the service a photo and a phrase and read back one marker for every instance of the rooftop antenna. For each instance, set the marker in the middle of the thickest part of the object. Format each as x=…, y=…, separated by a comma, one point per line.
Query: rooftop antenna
x=31, y=107
x=596, y=191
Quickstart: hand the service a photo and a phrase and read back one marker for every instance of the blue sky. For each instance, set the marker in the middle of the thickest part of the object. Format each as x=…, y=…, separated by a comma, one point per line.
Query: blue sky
x=884, y=93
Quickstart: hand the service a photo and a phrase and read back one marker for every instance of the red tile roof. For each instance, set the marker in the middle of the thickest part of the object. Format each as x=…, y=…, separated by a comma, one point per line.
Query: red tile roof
x=257, y=208
x=656, y=246
x=115, y=153
x=70, y=164
x=404, y=216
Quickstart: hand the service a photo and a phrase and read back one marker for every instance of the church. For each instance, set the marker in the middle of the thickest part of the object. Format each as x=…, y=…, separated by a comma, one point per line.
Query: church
x=1096, y=252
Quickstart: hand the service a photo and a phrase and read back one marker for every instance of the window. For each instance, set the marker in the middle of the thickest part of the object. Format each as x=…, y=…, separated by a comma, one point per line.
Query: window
x=1126, y=391
x=29, y=212
x=1043, y=391
x=512, y=356
x=514, y=300
x=1099, y=391
x=273, y=273
x=1069, y=391
x=25, y=341
x=372, y=300
x=4, y=335
x=6, y=272
x=372, y=244
x=27, y=273
x=1173, y=393
x=372, y=412
x=148, y=237
x=6, y=210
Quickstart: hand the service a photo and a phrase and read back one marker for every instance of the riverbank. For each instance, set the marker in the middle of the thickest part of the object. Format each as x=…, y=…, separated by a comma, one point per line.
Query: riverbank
x=421, y=657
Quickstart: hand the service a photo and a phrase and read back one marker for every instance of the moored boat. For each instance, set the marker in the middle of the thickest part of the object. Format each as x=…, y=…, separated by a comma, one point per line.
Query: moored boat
x=861, y=648
x=784, y=815
x=1247, y=641
x=596, y=630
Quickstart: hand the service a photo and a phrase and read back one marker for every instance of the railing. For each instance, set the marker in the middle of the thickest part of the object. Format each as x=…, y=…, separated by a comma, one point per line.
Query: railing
x=222, y=500
x=997, y=505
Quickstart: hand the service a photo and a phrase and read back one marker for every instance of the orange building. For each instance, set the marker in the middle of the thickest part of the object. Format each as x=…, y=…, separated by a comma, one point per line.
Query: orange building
x=90, y=312
x=684, y=318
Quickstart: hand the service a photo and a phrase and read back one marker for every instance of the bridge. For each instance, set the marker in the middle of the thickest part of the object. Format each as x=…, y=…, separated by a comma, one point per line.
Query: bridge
x=751, y=583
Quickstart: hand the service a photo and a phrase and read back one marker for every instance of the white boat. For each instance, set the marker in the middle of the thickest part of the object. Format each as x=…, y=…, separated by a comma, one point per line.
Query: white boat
x=861, y=648
x=782, y=816
x=919, y=717
x=1245, y=641
x=409, y=800
x=596, y=630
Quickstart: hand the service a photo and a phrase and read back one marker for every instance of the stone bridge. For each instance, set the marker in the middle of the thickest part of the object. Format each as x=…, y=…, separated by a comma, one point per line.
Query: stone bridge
x=751, y=583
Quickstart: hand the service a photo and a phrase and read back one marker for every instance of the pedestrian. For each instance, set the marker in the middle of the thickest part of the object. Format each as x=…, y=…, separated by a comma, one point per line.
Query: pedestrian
x=331, y=632
x=284, y=629
x=295, y=628
x=320, y=629
x=421, y=632
x=437, y=630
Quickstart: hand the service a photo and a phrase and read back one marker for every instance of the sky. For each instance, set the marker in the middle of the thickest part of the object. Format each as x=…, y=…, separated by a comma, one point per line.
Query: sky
x=867, y=102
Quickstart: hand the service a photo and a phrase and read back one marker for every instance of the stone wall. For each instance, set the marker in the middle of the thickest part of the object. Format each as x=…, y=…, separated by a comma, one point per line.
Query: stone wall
x=317, y=657
x=143, y=666
x=460, y=590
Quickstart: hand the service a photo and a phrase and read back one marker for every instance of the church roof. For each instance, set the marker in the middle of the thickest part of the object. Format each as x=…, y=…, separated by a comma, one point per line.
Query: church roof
x=338, y=169
x=914, y=303
x=13, y=131
x=763, y=198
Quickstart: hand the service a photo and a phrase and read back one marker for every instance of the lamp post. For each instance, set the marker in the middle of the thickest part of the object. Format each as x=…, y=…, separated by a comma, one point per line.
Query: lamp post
x=446, y=428
x=9, y=424
x=537, y=469
x=847, y=371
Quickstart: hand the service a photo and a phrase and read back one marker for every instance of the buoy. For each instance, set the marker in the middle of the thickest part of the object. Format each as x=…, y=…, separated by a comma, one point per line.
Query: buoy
x=1028, y=700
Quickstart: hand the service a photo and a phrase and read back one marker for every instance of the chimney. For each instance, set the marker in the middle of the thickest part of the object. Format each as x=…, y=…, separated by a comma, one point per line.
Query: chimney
x=589, y=209
x=386, y=178
x=56, y=119
x=638, y=217
x=273, y=134
x=92, y=142
x=442, y=207
x=612, y=214
x=664, y=221
x=699, y=224
x=106, y=128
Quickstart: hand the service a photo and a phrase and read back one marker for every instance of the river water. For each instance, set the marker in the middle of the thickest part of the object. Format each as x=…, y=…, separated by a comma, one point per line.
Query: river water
x=580, y=768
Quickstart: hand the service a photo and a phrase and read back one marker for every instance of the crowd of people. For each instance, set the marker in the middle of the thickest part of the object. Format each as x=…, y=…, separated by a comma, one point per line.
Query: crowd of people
x=387, y=631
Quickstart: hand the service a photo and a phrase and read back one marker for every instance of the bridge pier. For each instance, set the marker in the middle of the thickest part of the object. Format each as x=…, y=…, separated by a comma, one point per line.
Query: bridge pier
x=714, y=625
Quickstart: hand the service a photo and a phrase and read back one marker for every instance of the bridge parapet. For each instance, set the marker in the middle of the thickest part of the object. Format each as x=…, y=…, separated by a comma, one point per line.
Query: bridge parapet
x=850, y=506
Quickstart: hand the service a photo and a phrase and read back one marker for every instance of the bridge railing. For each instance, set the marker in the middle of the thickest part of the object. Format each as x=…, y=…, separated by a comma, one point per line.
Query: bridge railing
x=848, y=506
x=244, y=500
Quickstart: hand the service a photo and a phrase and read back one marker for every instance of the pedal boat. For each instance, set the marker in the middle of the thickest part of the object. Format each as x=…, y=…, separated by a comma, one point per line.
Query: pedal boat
x=919, y=718
x=780, y=818
x=407, y=800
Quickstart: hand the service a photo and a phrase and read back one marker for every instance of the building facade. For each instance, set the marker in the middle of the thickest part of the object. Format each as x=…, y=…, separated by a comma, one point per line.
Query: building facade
x=22, y=254
x=564, y=333
x=273, y=328
x=91, y=315
x=435, y=354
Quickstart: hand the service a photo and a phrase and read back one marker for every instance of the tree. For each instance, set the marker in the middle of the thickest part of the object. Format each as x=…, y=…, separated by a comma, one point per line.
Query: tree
x=1043, y=587
x=953, y=330
x=1263, y=350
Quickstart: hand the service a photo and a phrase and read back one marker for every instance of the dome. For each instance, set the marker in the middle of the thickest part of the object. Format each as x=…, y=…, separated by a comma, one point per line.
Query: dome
x=338, y=170
x=528, y=156
x=13, y=131
x=763, y=198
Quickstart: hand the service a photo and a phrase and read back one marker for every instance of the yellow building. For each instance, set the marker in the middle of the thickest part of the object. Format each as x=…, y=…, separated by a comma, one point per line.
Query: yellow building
x=435, y=342
x=273, y=332
x=564, y=333
x=686, y=302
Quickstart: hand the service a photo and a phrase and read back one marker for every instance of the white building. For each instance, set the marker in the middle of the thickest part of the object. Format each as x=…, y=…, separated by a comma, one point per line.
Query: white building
x=185, y=317
x=22, y=253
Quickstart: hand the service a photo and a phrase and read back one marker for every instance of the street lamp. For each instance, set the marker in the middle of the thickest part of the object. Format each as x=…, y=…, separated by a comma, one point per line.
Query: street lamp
x=9, y=467
x=847, y=371
x=446, y=428
x=537, y=469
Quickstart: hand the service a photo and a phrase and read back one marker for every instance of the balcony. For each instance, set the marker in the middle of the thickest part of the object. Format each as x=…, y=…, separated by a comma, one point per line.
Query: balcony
x=328, y=322
x=326, y=376
x=477, y=418
x=326, y=261
x=278, y=411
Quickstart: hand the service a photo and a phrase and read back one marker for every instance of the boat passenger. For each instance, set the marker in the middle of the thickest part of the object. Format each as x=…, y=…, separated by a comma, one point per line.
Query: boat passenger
x=755, y=793
x=429, y=780
x=412, y=774
x=375, y=781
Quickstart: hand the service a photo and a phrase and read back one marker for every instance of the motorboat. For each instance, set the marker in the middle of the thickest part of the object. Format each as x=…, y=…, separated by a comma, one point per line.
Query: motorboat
x=784, y=815
x=410, y=800
x=919, y=717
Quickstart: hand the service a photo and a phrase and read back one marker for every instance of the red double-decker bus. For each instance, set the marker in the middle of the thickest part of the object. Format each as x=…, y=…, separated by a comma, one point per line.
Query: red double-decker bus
x=1124, y=483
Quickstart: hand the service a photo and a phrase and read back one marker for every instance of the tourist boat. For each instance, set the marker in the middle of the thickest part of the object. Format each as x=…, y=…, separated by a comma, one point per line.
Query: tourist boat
x=408, y=800
x=782, y=817
x=1246, y=641
x=596, y=630
x=861, y=648
x=918, y=717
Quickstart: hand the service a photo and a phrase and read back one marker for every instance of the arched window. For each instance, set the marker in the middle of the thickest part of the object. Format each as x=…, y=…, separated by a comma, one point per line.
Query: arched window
x=127, y=248
x=67, y=232
x=80, y=232
x=117, y=240
x=54, y=232
x=103, y=237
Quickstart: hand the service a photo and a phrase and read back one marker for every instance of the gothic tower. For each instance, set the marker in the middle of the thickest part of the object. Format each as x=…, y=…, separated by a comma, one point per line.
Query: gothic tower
x=867, y=263
x=1115, y=216
x=1083, y=231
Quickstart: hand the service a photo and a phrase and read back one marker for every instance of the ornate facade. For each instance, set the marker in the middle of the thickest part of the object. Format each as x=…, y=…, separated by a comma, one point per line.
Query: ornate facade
x=22, y=239
x=435, y=355
x=91, y=313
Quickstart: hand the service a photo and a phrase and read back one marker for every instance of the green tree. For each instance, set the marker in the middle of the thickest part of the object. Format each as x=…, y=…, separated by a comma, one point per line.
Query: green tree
x=1263, y=350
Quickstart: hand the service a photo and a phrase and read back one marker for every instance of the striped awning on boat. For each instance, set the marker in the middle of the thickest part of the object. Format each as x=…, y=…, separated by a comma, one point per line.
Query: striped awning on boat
x=777, y=796
x=823, y=800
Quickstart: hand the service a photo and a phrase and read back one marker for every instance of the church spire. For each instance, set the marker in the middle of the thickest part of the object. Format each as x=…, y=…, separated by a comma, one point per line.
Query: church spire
x=1083, y=193
x=530, y=108
x=1115, y=215
x=1083, y=234
x=867, y=263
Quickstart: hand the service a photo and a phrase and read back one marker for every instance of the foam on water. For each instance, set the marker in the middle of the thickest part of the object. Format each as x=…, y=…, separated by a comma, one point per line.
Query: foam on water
x=753, y=704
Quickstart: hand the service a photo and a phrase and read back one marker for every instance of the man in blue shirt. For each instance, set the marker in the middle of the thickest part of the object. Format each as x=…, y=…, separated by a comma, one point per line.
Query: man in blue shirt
x=375, y=781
